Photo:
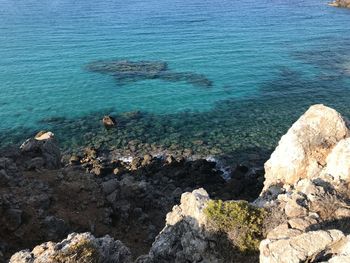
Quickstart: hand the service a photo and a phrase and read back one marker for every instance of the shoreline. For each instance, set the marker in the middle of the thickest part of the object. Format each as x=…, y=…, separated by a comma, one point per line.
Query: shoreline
x=41, y=176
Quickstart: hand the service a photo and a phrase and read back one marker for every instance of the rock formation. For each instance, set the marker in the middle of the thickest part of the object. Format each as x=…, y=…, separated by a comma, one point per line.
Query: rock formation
x=340, y=3
x=307, y=177
x=76, y=248
x=303, y=151
x=301, y=215
x=39, y=152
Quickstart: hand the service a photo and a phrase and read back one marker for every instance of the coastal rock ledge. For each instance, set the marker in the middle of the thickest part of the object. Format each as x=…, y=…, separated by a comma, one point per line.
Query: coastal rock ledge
x=301, y=215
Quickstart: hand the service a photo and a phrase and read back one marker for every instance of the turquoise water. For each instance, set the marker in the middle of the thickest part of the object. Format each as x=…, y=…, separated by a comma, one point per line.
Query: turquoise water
x=268, y=61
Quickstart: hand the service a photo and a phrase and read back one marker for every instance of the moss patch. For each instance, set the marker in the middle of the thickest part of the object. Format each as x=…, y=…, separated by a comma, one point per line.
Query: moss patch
x=242, y=222
x=83, y=251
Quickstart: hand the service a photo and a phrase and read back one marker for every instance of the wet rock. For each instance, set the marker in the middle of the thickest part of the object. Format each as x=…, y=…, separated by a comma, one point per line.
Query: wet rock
x=135, y=163
x=76, y=248
x=90, y=153
x=147, y=159
x=46, y=148
x=109, y=122
x=170, y=159
x=74, y=160
x=338, y=161
x=183, y=238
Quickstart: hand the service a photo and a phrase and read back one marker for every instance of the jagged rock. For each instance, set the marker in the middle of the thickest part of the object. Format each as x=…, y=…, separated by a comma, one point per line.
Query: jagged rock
x=74, y=160
x=46, y=148
x=56, y=227
x=184, y=238
x=76, y=248
x=302, y=248
x=302, y=152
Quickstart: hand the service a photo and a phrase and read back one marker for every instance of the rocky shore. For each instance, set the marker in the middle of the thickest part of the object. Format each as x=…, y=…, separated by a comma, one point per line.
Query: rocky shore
x=93, y=206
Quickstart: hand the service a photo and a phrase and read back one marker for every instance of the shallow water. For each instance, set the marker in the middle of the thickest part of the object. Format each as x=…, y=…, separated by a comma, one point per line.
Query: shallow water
x=268, y=62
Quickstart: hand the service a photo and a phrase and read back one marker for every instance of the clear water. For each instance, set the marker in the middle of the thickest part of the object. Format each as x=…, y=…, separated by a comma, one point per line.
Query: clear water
x=268, y=60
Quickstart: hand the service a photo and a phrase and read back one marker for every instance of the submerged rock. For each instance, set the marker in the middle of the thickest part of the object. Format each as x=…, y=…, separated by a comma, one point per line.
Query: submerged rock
x=306, y=247
x=124, y=71
x=183, y=239
x=125, y=68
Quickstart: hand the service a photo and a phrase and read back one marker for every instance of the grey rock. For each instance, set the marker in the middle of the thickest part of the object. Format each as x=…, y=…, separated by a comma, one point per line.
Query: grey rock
x=56, y=227
x=110, y=186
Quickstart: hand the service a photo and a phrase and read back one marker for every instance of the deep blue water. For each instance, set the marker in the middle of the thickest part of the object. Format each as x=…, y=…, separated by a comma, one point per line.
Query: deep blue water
x=268, y=61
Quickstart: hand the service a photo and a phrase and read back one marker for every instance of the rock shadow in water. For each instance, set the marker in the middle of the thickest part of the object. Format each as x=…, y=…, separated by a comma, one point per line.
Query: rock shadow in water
x=125, y=71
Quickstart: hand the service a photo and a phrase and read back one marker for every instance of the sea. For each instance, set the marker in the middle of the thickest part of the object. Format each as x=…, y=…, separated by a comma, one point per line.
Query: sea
x=239, y=73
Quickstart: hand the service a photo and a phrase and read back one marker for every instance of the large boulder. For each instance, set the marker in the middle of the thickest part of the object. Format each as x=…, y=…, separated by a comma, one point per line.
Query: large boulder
x=76, y=248
x=338, y=161
x=303, y=151
x=42, y=151
x=184, y=238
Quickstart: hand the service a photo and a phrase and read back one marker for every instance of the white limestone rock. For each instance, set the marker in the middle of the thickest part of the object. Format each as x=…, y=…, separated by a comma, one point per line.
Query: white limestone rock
x=299, y=248
x=302, y=152
x=338, y=161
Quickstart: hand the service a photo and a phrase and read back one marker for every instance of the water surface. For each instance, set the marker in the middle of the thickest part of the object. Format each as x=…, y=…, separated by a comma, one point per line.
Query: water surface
x=268, y=62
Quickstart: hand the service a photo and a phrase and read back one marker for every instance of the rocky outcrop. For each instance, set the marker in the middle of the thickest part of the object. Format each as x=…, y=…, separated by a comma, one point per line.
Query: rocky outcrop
x=124, y=70
x=306, y=247
x=340, y=3
x=76, y=248
x=307, y=178
x=39, y=152
x=303, y=151
x=302, y=214
x=185, y=237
